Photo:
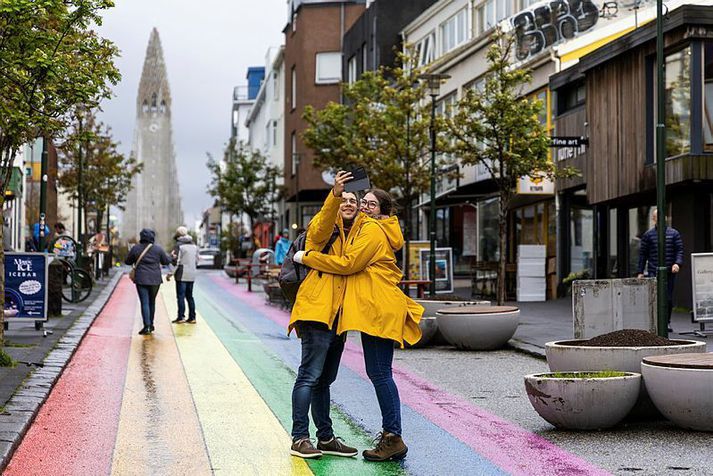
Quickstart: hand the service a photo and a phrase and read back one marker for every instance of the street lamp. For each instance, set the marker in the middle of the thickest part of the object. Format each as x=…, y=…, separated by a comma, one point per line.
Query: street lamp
x=433, y=84
x=661, y=272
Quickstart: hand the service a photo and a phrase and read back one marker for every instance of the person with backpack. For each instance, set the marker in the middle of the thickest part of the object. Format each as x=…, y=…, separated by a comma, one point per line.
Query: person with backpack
x=384, y=315
x=314, y=318
x=186, y=254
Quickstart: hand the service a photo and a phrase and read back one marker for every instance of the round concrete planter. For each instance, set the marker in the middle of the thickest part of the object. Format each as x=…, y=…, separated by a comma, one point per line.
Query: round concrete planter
x=589, y=403
x=564, y=356
x=429, y=321
x=682, y=395
x=478, y=327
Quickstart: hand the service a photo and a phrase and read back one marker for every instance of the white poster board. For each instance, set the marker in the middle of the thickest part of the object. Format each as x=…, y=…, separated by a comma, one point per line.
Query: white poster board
x=702, y=282
x=444, y=268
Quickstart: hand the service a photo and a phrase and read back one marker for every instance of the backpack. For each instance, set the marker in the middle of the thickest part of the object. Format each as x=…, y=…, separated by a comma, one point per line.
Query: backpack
x=292, y=274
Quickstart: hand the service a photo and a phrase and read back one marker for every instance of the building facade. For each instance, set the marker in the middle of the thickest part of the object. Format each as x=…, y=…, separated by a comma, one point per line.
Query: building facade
x=154, y=200
x=313, y=72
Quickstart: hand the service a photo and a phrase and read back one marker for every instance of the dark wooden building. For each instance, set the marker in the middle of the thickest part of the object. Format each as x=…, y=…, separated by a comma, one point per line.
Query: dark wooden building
x=609, y=97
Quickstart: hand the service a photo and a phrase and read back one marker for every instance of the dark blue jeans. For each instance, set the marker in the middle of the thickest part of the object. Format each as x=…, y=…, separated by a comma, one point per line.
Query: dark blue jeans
x=184, y=292
x=147, y=297
x=321, y=352
x=378, y=357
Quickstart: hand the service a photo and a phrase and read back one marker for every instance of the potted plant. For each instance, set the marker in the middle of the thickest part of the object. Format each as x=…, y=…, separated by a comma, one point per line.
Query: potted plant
x=583, y=400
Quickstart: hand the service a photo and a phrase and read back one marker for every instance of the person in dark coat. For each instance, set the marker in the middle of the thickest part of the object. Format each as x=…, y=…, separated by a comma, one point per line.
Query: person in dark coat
x=148, y=275
x=648, y=257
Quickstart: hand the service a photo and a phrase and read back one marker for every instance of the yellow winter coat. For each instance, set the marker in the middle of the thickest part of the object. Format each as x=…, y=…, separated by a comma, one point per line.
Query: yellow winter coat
x=373, y=302
x=320, y=295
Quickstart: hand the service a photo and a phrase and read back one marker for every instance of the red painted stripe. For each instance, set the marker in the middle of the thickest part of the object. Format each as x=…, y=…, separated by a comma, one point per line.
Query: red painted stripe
x=75, y=431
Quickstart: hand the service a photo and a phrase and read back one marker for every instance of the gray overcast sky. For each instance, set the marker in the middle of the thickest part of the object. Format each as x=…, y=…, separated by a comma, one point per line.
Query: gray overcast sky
x=208, y=47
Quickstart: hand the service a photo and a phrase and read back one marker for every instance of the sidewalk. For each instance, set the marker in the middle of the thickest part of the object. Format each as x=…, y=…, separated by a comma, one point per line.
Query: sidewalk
x=41, y=361
x=542, y=322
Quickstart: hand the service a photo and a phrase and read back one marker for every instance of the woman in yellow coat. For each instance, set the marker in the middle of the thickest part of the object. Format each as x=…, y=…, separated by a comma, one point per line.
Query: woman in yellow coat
x=374, y=305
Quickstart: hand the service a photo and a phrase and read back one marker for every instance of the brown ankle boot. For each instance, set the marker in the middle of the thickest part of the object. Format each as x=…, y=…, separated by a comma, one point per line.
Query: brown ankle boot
x=388, y=447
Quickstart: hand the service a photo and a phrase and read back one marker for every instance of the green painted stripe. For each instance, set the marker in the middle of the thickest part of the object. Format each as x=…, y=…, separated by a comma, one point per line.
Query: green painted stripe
x=273, y=380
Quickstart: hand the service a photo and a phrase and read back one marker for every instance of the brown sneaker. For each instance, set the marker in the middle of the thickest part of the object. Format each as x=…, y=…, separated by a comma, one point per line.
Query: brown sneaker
x=304, y=449
x=388, y=447
x=336, y=447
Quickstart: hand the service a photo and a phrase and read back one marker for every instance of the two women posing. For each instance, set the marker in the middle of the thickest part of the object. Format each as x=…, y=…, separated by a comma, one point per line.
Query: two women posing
x=353, y=286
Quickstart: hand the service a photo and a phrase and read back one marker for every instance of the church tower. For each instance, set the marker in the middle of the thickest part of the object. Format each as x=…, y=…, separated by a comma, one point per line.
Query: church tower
x=154, y=201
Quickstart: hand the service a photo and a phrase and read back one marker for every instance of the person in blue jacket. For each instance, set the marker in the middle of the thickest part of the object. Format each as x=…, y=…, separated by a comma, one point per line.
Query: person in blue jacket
x=649, y=258
x=281, y=247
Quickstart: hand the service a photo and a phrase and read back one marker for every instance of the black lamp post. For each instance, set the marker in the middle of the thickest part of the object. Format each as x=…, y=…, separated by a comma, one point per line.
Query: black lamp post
x=433, y=83
x=662, y=271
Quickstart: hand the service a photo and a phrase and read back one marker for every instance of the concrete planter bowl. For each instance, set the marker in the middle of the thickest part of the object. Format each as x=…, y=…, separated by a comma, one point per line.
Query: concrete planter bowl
x=429, y=321
x=683, y=394
x=565, y=356
x=583, y=400
x=478, y=327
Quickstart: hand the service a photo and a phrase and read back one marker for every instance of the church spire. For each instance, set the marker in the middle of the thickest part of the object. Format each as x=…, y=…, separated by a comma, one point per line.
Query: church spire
x=154, y=94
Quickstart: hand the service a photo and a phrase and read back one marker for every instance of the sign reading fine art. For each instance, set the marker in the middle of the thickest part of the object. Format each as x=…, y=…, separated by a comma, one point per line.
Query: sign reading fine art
x=25, y=287
x=702, y=274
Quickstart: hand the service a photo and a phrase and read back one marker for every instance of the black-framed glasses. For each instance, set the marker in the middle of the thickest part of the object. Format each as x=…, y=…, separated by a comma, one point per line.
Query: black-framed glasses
x=370, y=204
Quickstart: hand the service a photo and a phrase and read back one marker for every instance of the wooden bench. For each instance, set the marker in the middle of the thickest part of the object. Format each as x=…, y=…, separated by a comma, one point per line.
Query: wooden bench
x=421, y=285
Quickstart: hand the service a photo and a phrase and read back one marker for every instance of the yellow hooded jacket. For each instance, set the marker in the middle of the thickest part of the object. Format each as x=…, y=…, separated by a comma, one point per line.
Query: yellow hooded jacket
x=373, y=302
x=321, y=294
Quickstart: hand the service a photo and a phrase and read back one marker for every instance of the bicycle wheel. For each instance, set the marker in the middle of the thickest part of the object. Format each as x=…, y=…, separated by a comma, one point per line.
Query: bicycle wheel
x=67, y=280
x=81, y=285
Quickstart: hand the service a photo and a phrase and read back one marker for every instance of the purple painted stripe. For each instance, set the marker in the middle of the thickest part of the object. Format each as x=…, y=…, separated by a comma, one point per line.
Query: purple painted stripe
x=510, y=447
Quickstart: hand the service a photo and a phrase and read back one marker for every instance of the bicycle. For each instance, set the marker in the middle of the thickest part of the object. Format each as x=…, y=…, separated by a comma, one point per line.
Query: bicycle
x=77, y=284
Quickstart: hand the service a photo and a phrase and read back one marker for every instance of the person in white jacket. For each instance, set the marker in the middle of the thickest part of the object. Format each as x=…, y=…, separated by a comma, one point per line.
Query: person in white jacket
x=185, y=275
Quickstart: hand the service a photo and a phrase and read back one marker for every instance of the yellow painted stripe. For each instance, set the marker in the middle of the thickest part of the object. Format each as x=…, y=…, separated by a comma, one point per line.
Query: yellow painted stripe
x=159, y=431
x=242, y=434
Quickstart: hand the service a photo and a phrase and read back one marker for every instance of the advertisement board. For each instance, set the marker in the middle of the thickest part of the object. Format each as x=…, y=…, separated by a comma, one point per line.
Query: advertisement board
x=25, y=287
x=444, y=268
x=415, y=248
x=702, y=281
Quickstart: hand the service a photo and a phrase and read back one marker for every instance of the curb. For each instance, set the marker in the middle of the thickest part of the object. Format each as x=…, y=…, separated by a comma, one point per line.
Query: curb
x=25, y=404
x=527, y=348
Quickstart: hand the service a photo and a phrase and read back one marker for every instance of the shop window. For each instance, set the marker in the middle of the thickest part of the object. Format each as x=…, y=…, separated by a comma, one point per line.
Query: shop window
x=708, y=97
x=581, y=235
x=639, y=223
x=678, y=102
x=488, y=230
x=612, y=262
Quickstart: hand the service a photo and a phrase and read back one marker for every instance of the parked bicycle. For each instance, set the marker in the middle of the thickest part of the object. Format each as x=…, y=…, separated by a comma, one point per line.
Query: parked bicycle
x=76, y=283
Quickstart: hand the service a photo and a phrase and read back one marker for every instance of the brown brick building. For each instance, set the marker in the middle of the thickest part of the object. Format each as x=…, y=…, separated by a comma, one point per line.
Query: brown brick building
x=313, y=65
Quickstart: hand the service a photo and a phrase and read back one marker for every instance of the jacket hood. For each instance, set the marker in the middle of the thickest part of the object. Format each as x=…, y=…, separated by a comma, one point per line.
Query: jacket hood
x=392, y=230
x=147, y=236
x=184, y=239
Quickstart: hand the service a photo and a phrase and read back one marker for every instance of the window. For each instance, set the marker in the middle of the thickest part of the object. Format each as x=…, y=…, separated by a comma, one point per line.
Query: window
x=275, y=86
x=145, y=106
x=293, y=89
x=295, y=157
x=570, y=97
x=364, y=58
x=154, y=100
x=454, y=31
x=678, y=102
x=352, y=70
x=162, y=108
x=425, y=49
x=274, y=132
x=328, y=68
x=491, y=12
x=708, y=97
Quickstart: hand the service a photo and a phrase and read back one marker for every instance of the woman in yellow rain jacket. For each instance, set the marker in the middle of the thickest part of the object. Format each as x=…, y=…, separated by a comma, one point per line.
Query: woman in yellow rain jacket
x=374, y=305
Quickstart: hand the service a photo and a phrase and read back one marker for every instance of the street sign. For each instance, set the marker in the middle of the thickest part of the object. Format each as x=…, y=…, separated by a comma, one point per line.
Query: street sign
x=702, y=274
x=25, y=287
x=568, y=141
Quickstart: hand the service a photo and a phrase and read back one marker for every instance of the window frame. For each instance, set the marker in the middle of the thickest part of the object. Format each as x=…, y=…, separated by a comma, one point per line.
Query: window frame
x=338, y=69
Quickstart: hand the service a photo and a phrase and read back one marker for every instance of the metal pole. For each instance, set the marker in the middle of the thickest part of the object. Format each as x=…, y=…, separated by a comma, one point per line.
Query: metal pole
x=662, y=271
x=43, y=196
x=79, y=188
x=298, y=220
x=432, y=224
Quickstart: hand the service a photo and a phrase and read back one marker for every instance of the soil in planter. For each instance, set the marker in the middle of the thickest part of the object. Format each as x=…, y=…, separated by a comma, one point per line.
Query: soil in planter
x=577, y=375
x=628, y=338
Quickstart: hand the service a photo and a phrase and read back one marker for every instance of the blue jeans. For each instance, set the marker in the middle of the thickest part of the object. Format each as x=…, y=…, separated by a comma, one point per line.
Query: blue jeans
x=378, y=357
x=184, y=292
x=321, y=352
x=147, y=297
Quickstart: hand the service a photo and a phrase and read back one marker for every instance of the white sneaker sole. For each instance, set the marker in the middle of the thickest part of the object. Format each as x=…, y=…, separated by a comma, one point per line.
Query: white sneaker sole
x=336, y=453
x=305, y=456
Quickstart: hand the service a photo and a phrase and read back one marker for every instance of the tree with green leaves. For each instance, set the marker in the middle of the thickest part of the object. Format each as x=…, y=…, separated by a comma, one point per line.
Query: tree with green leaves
x=499, y=129
x=106, y=173
x=51, y=61
x=382, y=125
x=244, y=182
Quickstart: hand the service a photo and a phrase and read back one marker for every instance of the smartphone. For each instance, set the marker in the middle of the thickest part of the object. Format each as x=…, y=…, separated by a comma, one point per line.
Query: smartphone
x=358, y=182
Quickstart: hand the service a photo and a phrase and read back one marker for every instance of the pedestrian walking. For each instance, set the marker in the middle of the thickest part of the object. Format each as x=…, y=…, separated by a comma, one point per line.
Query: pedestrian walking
x=147, y=257
x=281, y=246
x=186, y=253
x=648, y=258
x=314, y=317
x=384, y=316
